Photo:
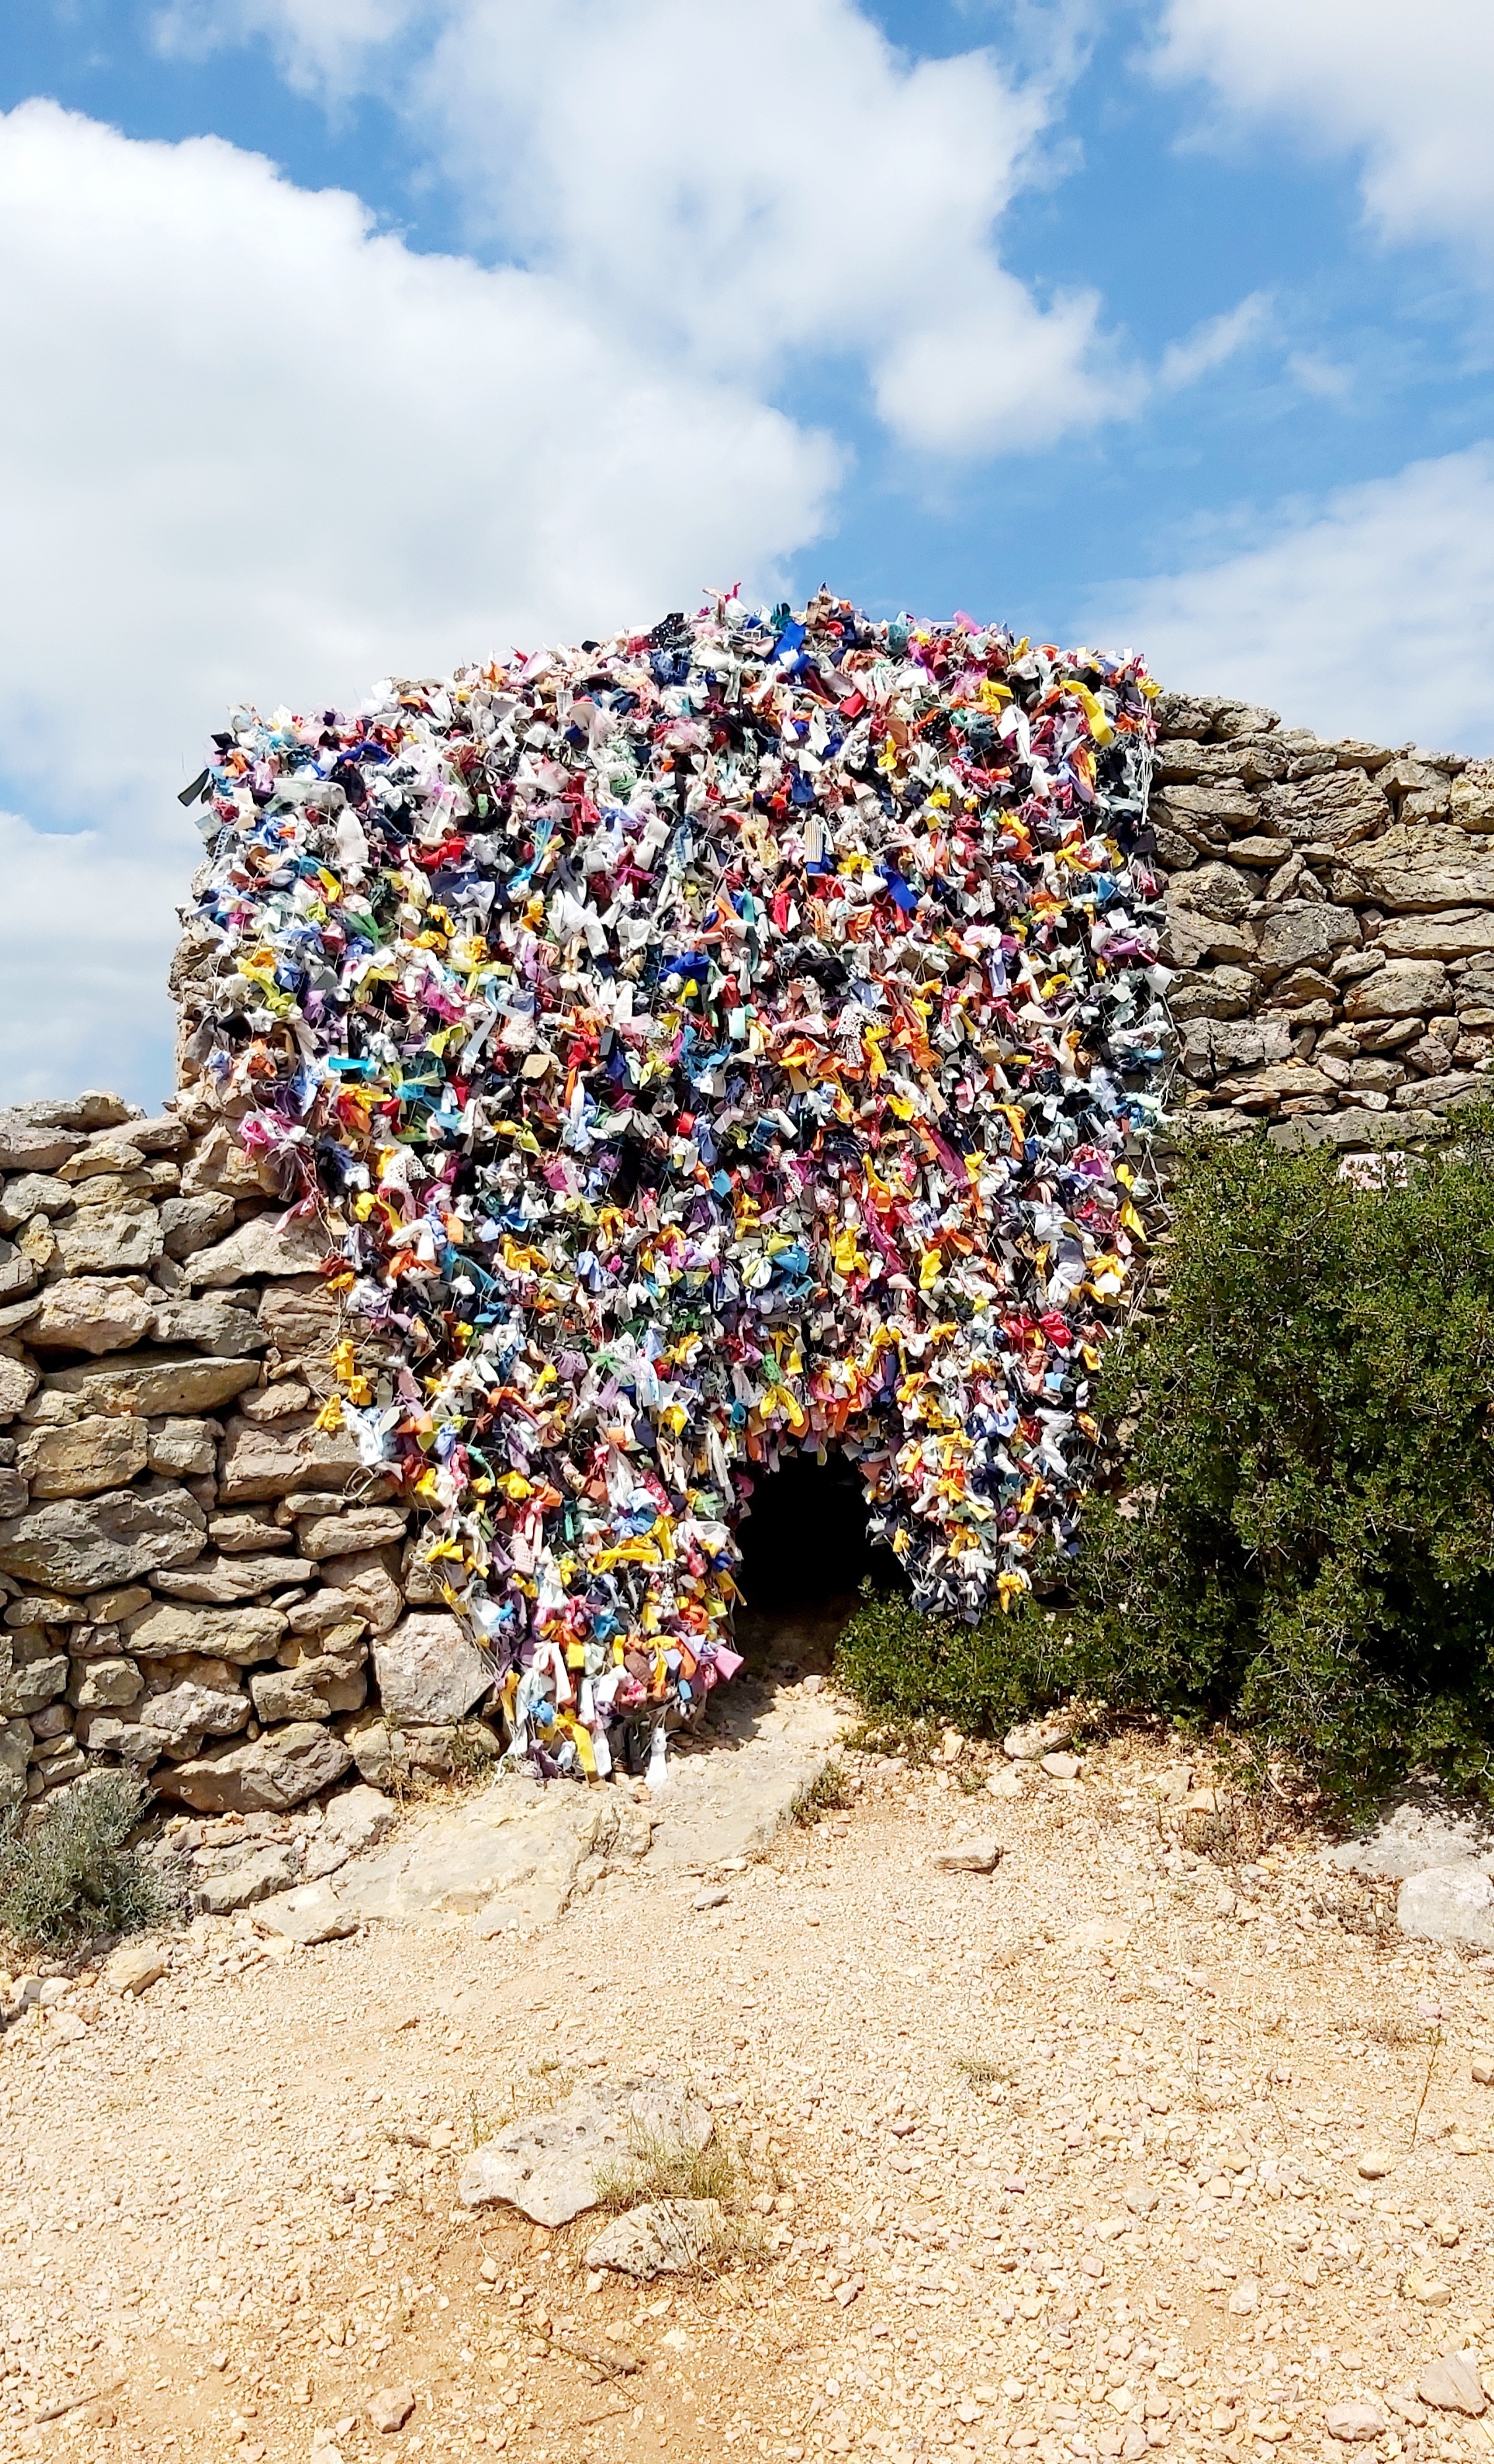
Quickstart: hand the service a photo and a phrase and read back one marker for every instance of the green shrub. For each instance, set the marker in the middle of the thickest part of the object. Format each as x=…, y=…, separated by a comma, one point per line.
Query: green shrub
x=69, y=1874
x=1305, y=1547
x=904, y=1669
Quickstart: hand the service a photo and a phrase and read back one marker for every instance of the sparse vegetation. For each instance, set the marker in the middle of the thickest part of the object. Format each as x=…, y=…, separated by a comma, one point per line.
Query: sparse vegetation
x=70, y=1872
x=657, y=2167
x=829, y=1792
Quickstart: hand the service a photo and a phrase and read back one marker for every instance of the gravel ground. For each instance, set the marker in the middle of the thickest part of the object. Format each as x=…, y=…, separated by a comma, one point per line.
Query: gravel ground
x=1121, y=2149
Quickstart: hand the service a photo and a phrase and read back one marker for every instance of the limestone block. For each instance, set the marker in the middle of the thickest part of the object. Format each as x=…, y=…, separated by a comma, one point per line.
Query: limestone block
x=1453, y=933
x=110, y=1239
x=31, y=1145
x=229, y=1333
x=1336, y=809
x=1213, y=890
x=219, y=1580
x=154, y=1384
x=108, y=1684
x=427, y=1669
x=32, y=1193
x=1303, y=936
x=281, y=1769
x=368, y=1582
x=169, y=1631
x=300, y=1314
x=260, y=1247
x=341, y=1535
x=1402, y=988
x=1420, y=867
x=183, y=1449
x=258, y=1462
x=1471, y=802
x=549, y=2165
x=195, y=1706
x=90, y=1313
x=80, y=1545
x=189, y=1224
x=83, y=1459
x=19, y=1380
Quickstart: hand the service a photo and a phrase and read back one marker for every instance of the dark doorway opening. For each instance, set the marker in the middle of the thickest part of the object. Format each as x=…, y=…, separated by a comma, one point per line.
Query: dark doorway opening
x=805, y=1555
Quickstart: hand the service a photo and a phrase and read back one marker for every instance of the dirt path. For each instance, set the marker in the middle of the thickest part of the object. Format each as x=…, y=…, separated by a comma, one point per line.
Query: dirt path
x=1116, y=2150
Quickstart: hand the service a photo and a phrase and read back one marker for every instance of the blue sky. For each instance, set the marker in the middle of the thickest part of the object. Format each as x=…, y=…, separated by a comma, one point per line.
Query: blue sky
x=472, y=322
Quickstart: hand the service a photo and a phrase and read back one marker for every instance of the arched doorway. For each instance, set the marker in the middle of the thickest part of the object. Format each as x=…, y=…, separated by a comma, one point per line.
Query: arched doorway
x=805, y=1555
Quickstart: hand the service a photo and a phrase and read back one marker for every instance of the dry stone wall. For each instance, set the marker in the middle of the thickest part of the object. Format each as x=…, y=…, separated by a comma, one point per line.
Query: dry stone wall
x=1331, y=915
x=197, y=1581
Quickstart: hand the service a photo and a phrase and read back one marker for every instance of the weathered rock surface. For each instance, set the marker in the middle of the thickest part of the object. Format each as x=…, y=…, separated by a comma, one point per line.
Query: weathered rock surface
x=83, y=1459
x=260, y=1247
x=428, y=1670
x=78, y=1544
x=1420, y=866
x=154, y=1384
x=274, y=1772
x=19, y=1380
x=211, y=1326
x=773, y=1743
x=189, y=1224
x=236, y=1577
x=664, y=2237
x=511, y=1858
x=357, y=1820
x=90, y=1313
x=348, y=1534
x=258, y=1461
x=1451, y=1903
x=1452, y=2384
x=549, y=2167
x=245, y=1880
x=1409, y=1838
x=31, y=1145
x=165, y=1631
x=112, y=1239
x=311, y=1913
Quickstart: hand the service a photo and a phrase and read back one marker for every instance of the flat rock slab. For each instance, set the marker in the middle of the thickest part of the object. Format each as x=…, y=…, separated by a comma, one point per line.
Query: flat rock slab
x=550, y=2166
x=313, y=1912
x=1409, y=1838
x=664, y=2237
x=768, y=1745
x=1453, y=2384
x=1451, y=1903
x=512, y=1857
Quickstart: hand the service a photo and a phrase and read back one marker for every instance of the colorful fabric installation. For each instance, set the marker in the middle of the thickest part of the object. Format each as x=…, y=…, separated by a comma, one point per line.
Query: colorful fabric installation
x=727, y=1038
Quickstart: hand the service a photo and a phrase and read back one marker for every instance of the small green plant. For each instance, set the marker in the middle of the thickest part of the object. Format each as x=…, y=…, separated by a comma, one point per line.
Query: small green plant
x=653, y=2166
x=829, y=1792
x=70, y=1872
x=913, y=1674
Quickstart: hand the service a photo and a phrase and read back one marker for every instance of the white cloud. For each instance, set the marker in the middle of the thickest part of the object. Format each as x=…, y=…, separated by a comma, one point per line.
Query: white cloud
x=251, y=448
x=1407, y=89
x=1214, y=342
x=1373, y=617
x=321, y=44
x=752, y=189
x=86, y=930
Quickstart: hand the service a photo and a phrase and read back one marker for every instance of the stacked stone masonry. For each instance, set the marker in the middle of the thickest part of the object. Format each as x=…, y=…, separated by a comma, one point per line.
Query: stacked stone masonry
x=200, y=1584
x=197, y=1582
x=1331, y=915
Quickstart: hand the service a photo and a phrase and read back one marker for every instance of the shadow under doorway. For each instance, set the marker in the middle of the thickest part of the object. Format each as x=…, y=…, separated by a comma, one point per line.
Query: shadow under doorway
x=805, y=1555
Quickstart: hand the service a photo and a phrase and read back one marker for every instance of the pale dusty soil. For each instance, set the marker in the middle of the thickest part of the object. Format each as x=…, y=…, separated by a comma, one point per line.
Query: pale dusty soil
x=1060, y=2158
